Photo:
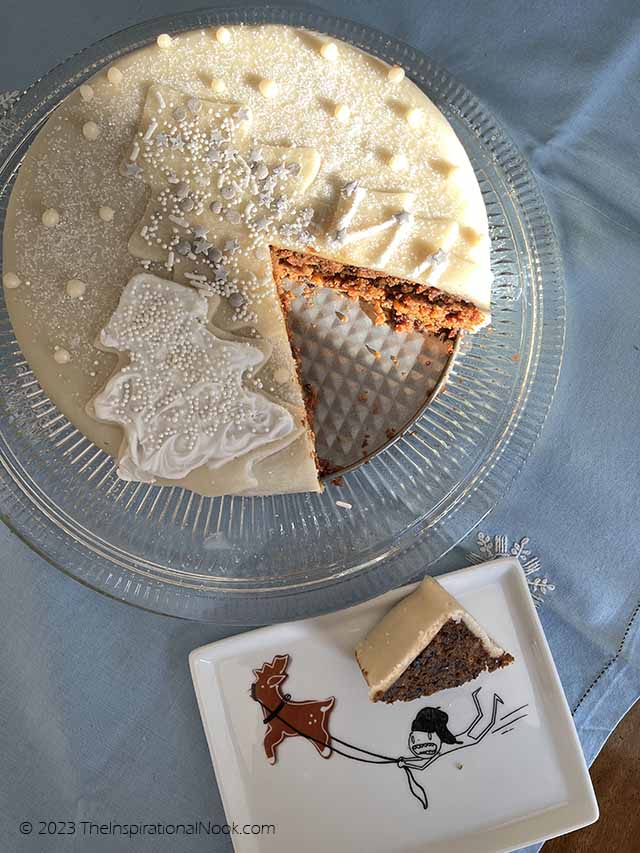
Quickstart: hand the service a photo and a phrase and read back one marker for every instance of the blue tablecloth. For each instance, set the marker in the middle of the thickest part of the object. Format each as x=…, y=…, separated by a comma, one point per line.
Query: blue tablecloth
x=98, y=719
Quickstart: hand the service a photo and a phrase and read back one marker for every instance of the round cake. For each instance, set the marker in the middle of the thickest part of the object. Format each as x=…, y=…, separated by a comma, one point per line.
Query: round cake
x=165, y=204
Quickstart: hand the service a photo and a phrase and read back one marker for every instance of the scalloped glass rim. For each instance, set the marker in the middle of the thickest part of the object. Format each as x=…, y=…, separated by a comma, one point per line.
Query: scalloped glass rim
x=103, y=565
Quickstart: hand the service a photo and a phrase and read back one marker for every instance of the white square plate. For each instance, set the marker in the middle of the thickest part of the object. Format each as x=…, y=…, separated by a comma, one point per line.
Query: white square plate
x=518, y=775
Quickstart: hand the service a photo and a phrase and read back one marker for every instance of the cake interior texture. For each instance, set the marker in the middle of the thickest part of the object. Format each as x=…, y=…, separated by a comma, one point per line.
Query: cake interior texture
x=405, y=305
x=454, y=656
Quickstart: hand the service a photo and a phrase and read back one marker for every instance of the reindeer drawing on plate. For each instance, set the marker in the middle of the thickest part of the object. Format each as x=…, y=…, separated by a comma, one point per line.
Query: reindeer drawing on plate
x=284, y=717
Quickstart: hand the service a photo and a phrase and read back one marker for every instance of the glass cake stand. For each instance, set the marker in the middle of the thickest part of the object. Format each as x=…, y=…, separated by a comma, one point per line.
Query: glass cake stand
x=257, y=560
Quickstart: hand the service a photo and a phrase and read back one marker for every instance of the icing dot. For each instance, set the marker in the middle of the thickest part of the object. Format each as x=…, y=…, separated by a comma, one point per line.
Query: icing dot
x=223, y=35
x=218, y=86
x=414, y=116
x=164, y=41
x=329, y=51
x=395, y=74
x=268, y=88
x=342, y=113
x=61, y=355
x=10, y=280
x=114, y=75
x=86, y=92
x=90, y=131
x=398, y=162
x=75, y=288
x=50, y=217
x=106, y=213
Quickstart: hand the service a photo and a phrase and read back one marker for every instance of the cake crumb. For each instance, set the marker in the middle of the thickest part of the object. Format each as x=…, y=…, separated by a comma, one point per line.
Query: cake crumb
x=337, y=481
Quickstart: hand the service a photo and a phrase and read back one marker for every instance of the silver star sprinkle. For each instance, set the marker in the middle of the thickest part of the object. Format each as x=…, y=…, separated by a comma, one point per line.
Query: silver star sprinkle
x=201, y=246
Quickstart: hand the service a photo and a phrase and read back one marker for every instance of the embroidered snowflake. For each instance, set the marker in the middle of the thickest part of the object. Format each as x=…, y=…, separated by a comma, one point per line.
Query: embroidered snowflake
x=7, y=126
x=493, y=547
x=7, y=100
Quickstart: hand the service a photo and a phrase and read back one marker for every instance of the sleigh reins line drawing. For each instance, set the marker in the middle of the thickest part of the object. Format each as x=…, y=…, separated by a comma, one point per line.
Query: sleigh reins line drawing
x=430, y=737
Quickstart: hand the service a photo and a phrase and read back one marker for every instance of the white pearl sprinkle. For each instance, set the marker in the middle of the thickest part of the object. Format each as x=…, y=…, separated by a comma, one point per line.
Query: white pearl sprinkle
x=342, y=113
x=223, y=35
x=398, y=162
x=414, y=116
x=61, y=355
x=218, y=86
x=114, y=76
x=268, y=88
x=164, y=41
x=90, y=131
x=106, y=213
x=75, y=288
x=10, y=280
x=329, y=51
x=395, y=74
x=86, y=92
x=50, y=217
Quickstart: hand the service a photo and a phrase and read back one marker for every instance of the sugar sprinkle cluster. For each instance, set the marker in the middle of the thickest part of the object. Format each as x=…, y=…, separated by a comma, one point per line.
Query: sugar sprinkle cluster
x=181, y=397
x=218, y=199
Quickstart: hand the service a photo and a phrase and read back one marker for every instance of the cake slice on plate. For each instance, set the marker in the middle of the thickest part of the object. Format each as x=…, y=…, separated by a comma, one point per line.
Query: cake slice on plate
x=426, y=643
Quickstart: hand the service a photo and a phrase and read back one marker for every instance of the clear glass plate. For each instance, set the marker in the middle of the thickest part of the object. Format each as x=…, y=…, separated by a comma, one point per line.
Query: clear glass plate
x=258, y=560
